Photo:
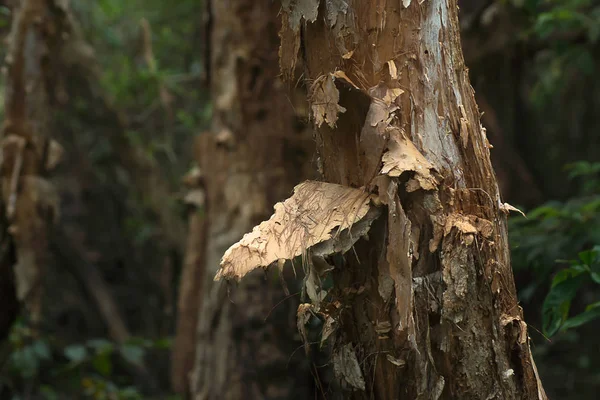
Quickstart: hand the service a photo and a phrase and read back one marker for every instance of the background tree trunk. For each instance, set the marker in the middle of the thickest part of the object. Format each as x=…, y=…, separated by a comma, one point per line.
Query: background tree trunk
x=258, y=147
x=426, y=307
x=29, y=153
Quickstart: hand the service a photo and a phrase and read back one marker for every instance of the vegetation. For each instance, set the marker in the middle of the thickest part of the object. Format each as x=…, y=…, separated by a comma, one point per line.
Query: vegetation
x=128, y=116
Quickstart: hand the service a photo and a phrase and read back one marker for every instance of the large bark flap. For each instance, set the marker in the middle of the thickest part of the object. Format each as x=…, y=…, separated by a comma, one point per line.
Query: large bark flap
x=324, y=217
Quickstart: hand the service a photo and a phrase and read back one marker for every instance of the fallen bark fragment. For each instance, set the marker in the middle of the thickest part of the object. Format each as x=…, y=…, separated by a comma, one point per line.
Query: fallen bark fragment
x=323, y=217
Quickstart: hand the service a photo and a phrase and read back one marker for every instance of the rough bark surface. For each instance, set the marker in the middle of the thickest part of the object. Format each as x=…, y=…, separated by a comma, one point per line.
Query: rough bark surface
x=29, y=153
x=425, y=306
x=255, y=152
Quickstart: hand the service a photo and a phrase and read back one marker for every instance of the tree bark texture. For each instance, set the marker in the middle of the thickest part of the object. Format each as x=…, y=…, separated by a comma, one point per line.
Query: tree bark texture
x=423, y=306
x=451, y=328
x=257, y=148
x=29, y=153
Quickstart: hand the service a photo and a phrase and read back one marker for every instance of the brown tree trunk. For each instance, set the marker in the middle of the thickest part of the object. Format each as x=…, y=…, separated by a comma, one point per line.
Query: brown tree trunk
x=424, y=306
x=256, y=150
x=29, y=153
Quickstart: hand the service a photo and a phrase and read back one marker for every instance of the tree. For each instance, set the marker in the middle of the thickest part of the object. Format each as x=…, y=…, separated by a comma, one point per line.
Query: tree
x=256, y=149
x=408, y=220
x=29, y=153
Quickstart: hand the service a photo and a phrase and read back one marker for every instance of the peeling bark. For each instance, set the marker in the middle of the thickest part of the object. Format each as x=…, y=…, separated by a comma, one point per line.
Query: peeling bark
x=427, y=304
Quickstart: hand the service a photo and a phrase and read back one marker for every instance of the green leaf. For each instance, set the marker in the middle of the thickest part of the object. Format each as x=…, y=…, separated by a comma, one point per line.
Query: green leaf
x=103, y=364
x=133, y=354
x=588, y=257
x=25, y=362
x=591, y=312
x=76, y=353
x=42, y=350
x=139, y=342
x=568, y=273
x=130, y=393
x=164, y=343
x=543, y=212
x=101, y=345
x=558, y=302
x=49, y=393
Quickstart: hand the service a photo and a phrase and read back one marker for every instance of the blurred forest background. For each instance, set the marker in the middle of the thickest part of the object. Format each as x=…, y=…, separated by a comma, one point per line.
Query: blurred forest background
x=126, y=101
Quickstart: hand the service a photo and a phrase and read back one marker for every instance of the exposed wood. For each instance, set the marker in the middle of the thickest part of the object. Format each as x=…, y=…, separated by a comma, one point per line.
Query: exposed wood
x=455, y=311
x=426, y=304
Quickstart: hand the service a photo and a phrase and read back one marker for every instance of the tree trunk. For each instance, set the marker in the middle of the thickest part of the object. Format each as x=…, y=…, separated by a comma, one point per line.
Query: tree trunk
x=29, y=153
x=256, y=150
x=424, y=306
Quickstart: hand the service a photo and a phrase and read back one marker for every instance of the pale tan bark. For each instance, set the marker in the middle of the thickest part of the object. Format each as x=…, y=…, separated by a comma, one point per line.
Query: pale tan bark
x=425, y=306
x=256, y=150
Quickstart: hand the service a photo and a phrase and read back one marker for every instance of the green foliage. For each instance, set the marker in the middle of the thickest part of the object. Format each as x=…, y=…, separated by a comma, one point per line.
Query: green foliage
x=565, y=285
x=156, y=89
x=553, y=232
x=155, y=85
x=27, y=356
x=96, y=368
x=568, y=30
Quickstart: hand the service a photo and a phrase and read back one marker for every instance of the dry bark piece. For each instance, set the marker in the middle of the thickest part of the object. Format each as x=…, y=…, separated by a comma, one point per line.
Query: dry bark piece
x=348, y=55
x=342, y=75
x=195, y=197
x=507, y=208
x=464, y=126
x=193, y=178
x=323, y=217
x=468, y=224
x=393, y=69
x=397, y=263
x=403, y=156
x=346, y=367
x=396, y=361
x=302, y=317
x=55, y=155
x=324, y=101
x=334, y=8
x=329, y=327
x=299, y=10
x=313, y=288
x=391, y=95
